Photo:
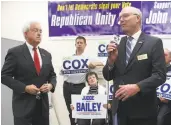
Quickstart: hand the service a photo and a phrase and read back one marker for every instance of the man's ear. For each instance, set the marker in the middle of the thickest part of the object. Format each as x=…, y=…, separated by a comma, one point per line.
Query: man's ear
x=25, y=34
x=138, y=18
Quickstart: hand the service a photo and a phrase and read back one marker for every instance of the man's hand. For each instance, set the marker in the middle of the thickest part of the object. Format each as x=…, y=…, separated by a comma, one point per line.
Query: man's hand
x=126, y=91
x=95, y=64
x=107, y=106
x=31, y=89
x=46, y=87
x=163, y=100
x=92, y=65
x=72, y=107
x=112, y=52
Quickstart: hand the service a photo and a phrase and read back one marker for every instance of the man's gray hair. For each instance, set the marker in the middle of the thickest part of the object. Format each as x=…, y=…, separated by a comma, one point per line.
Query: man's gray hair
x=27, y=26
x=137, y=12
x=168, y=51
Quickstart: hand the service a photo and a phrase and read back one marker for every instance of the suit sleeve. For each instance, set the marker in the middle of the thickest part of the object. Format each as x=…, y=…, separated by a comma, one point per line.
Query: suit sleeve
x=8, y=72
x=169, y=103
x=158, y=76
x=52, y=76
x=108, y=73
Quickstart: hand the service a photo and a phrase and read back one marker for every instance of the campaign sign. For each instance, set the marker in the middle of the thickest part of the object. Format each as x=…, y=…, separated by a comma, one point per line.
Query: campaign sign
x=102, y=46
x=164, y=90
x=89, y=106
x=102, y=49
x=110, y=89
x=75, y=65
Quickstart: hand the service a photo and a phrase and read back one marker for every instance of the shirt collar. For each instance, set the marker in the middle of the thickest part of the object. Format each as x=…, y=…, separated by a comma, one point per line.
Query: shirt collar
x=78, y=55
x=136, y=35
x=30, y=46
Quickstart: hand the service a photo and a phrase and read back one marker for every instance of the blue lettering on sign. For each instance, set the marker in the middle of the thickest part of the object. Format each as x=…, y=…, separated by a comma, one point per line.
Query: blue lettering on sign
x=64, y=64
x=88, y=106
x=167, y=86
x=88, y=98
x=102, y=48
x=110, y=96
x=76, y=64
x=78, y=106
x=111, y=89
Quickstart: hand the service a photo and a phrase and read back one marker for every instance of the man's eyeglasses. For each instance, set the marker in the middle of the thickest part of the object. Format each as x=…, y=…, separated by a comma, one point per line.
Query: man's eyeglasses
x=126, y=15
x=36, y=30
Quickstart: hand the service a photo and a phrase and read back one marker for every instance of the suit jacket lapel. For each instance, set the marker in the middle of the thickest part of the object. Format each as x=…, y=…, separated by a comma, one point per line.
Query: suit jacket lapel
x=135, y=50
x=43, y=60
x=28, y=57
x=122, y=54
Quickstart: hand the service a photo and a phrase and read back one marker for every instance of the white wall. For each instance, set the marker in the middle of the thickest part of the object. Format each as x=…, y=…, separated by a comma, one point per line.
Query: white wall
x=14, y=16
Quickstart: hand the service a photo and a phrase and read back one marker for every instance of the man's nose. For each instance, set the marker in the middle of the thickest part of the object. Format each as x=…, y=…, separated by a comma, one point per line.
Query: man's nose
x=39, y=34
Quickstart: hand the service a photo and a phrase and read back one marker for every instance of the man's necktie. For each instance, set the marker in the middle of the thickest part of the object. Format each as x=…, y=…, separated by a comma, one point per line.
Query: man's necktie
x=128, y=49
x=36, y=61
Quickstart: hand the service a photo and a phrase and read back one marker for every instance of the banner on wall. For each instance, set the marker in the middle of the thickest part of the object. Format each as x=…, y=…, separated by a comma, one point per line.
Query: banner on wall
x=101, y=17
x=85, y=17
x=156, y=17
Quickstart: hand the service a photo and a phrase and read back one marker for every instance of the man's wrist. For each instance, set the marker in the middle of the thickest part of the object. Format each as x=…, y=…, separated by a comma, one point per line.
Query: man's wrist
x=110, y=64
x=52, y=87
x=138, y=88
x=26, y=89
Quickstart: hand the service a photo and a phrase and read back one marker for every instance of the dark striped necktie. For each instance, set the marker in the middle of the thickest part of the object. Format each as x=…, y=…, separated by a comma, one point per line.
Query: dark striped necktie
x=128, y=48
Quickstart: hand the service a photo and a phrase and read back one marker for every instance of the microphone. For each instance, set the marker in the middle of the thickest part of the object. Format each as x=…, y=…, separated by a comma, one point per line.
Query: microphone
x=115, y=40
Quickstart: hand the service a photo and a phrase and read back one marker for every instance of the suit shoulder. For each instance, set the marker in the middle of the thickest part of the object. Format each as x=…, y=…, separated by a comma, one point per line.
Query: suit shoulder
x=16, y=49
x=152, y=38
x=123, y=38
x=45, y=51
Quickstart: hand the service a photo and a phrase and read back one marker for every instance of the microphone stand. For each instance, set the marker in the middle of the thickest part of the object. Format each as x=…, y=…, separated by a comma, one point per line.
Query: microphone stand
x=107, y=93
x=116, y=40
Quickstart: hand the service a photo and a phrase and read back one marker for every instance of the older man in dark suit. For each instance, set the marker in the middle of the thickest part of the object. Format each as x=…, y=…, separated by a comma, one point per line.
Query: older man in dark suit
x=28, y=71
x=137, y=67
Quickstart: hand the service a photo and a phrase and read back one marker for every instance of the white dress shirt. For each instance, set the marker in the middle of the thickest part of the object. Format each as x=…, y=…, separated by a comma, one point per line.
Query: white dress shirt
x=30, y=47
x=135, y=39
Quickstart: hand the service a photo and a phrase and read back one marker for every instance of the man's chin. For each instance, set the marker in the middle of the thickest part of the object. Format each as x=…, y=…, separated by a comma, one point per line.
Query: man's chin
x=38, y=41
x=124, y=30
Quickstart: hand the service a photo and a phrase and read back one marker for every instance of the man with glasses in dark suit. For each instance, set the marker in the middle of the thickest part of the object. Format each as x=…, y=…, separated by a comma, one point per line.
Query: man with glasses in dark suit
x=137, y=67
